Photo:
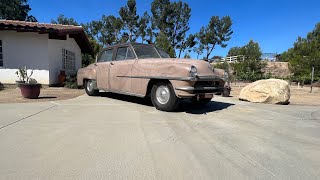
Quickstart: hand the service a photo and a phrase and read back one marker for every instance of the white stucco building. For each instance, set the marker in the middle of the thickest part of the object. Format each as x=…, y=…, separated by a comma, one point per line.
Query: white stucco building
x=46, y=48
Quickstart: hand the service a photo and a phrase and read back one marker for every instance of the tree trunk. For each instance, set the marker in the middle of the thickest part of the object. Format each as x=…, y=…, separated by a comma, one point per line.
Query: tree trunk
x=207, y=52
x=130, y=36
x=180, y=53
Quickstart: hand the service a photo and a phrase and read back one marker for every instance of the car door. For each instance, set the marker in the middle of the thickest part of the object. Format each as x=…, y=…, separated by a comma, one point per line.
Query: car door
x=120, y=70
x=103, y=69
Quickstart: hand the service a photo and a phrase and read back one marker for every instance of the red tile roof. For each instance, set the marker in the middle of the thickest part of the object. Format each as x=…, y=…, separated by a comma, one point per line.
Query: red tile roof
x=55, y=31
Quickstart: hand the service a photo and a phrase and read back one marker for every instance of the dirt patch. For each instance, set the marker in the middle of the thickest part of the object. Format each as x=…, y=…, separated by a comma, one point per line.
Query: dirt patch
x=299, y=96
x=12, y=94
x=278, y=69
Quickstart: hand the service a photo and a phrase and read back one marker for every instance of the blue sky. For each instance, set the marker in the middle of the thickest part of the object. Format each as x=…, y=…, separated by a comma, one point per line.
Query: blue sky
x=274, y=24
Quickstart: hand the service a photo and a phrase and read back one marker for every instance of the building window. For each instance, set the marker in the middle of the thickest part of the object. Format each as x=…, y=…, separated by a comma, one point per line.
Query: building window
x=1, y=54
x=68, y=60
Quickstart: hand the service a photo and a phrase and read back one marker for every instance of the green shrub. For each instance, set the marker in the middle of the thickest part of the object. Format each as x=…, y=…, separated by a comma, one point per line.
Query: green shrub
x=71, y=82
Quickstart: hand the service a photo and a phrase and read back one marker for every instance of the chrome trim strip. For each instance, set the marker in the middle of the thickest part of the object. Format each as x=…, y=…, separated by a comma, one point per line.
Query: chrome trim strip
x=160, y=77
x=198, y=78
x=124, y=93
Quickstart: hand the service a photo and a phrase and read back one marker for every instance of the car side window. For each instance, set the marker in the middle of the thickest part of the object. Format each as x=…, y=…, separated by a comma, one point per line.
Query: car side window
x=124, y=53
x=106, y=56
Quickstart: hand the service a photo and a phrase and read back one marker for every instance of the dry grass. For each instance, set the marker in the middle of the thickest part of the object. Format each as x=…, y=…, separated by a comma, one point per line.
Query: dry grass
x=11, y=94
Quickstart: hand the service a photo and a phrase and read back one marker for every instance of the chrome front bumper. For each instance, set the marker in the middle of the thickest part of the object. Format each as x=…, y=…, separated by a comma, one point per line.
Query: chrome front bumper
x=206, y=78
x=205, y=89
x=200, y=86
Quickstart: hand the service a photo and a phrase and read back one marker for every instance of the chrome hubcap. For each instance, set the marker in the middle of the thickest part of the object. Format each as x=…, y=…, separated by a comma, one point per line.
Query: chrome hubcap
x=163, y=94
x=89, y=86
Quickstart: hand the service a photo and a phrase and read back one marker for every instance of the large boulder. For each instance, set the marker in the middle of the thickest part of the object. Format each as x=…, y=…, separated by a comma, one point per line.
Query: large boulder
x=272, y=91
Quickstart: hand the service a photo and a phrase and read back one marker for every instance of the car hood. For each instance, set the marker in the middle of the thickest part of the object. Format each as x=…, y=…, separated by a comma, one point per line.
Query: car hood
x=186, y=61
x=203, y=67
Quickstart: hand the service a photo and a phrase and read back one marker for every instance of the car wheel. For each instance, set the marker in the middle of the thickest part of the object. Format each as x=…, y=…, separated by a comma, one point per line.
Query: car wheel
x=201, y=101
x=163, y=97
x=89, y=87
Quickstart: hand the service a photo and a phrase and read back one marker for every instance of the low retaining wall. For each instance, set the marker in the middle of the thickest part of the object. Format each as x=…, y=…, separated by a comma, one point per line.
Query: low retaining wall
x=8, y=76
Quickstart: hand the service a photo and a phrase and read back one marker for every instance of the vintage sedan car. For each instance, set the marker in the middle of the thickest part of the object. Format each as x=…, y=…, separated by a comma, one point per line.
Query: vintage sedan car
x=143, y=70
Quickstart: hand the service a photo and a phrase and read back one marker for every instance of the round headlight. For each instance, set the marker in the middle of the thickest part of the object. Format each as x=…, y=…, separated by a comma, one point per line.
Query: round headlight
x=193, y=71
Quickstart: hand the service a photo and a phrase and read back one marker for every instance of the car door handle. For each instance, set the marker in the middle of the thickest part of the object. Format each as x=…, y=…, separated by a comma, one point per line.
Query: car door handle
x=95, y=64
x=112, y=63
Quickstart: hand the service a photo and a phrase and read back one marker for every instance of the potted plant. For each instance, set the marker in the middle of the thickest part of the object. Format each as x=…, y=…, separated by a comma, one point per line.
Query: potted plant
x=28, y=86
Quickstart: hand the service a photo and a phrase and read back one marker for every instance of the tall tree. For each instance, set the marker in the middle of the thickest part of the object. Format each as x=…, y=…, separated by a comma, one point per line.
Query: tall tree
x=88, y=29
x=108, y=30
x=172, y=18
x=130, y=18
x=251, y=67
x=16, y=10
x=251, y=51
x=186, y=44
x=305, y=54
x=86, y=58
x=187, y=56
x=178, y=21
x=163, y=43
x=145, y=30
x=160, y=11
x=198, y=50
x=234, y=51
x=89, y=59
x=61, y=19
x=217, y=32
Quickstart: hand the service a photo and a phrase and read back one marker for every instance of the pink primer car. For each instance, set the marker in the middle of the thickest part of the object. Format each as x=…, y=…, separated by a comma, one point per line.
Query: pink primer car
x=145, y=71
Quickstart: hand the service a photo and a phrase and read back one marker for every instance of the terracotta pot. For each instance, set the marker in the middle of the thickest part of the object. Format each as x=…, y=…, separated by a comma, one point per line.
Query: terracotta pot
x=62, y=77
x=31, y=91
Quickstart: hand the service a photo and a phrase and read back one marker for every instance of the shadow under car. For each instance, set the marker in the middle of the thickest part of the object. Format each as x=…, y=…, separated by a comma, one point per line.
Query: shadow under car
x=185, y=105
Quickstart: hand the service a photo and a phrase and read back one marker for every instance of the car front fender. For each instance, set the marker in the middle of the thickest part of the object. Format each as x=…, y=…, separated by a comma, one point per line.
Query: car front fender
x=86, y=73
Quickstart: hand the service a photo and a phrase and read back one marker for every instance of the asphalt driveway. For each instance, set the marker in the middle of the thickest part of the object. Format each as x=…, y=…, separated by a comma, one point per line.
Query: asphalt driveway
x=120, y=137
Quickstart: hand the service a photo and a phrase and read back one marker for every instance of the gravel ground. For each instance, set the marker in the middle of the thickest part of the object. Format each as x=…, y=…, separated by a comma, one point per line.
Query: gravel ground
x=12, y=94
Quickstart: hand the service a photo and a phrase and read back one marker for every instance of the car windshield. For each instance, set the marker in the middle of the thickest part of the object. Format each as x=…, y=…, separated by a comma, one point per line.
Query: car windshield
x=145, y=51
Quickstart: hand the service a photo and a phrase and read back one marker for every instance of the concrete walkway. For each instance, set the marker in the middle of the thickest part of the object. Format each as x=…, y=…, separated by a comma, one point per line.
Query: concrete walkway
x=120, y=137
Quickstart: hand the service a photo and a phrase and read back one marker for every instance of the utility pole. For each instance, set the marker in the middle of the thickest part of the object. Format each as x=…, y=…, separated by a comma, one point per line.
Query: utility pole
x=312, y=77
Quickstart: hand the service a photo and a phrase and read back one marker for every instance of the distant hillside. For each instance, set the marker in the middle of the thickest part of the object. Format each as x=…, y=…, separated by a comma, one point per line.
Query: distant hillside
x=278, y=69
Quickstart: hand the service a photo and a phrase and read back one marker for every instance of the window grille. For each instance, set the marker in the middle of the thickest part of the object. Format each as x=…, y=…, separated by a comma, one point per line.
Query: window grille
x=68, y=60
